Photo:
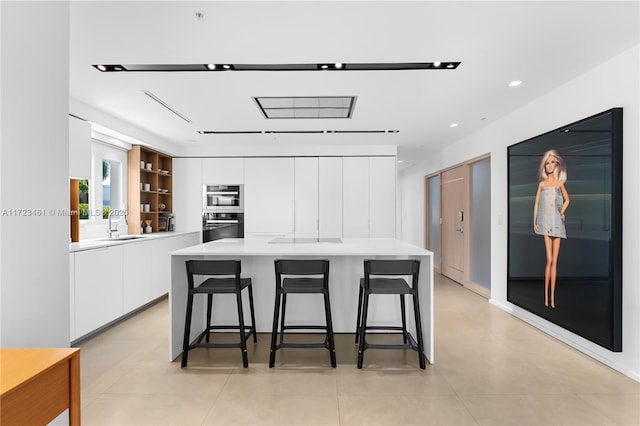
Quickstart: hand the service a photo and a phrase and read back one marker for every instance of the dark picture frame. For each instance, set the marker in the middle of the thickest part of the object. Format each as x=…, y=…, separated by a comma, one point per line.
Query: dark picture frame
x=581, y=241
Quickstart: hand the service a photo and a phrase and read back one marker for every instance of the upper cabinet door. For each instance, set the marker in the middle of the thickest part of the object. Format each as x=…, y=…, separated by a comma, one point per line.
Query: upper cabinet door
x=306, y=197
x=382, y=197
x=355, y=197
x=79, y=148
x=222, y=171
x=187, y=194
x=268, y=195
x=330, y=197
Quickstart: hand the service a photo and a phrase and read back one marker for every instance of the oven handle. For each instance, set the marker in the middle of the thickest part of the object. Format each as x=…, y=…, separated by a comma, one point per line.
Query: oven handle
x=221, y=193
x=224, y=221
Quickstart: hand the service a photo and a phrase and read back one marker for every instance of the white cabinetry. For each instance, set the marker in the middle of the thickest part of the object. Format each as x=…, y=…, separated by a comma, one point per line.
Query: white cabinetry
x=306, y=197
x=79, y=148
x=98, y=288
x=161, y=261
x=187, y=194
x=222, y=171
x=330, y=197
x=136, y=276
x=107, y=283
x=72, y=296
x=369, y=202
x=355, y=197
x=382, y=197
x=268, y=195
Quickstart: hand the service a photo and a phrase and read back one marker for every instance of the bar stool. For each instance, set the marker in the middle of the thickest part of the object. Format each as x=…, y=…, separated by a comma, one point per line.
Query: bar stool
x=298, y=281
x=377, y=280
x=224, y=278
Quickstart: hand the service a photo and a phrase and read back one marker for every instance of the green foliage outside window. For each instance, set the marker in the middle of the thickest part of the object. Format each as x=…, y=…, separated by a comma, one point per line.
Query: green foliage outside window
x=84, y=199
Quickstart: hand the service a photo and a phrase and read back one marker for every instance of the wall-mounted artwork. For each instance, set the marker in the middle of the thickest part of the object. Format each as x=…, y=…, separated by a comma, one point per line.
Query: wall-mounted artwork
x=565, y=227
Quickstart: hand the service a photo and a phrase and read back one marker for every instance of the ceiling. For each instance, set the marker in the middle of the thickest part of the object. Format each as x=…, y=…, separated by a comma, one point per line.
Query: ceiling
x=542, y=43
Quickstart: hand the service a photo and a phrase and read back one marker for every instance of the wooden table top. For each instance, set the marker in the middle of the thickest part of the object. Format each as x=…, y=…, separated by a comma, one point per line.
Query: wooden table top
x=18, y=366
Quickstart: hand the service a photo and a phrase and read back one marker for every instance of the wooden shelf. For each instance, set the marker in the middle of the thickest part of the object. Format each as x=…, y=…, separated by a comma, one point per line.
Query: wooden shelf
x=138, y=176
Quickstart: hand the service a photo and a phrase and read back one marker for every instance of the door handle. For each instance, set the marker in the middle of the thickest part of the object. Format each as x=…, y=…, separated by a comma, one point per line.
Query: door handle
x=460, y=230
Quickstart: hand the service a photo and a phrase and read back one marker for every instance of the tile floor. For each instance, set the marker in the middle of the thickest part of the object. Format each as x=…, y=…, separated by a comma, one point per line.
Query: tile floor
x=491, y=369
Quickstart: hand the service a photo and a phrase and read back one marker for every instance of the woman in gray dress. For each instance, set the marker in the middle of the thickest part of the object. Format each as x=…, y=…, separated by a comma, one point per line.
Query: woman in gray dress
x=550, y=206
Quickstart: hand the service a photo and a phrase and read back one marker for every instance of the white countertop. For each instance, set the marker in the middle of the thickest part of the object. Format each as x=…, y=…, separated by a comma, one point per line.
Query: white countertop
x=262, y=247
x=104, y=242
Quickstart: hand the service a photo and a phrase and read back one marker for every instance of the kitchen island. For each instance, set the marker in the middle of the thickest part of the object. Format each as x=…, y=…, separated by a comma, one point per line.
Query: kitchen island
x=346, y=268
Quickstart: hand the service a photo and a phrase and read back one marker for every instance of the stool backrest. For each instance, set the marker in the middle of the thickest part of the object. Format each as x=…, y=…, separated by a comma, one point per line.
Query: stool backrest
x=392, y=267
x=302, y=267
x=212, y=268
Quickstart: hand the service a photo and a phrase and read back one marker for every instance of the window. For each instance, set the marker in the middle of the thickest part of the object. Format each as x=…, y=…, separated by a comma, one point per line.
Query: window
x=107, y=188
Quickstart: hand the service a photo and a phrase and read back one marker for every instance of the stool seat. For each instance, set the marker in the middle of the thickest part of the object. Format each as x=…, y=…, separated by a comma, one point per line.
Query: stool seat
x=301, y=276
x=302, y=285
x=387, y=286
x=221, y=285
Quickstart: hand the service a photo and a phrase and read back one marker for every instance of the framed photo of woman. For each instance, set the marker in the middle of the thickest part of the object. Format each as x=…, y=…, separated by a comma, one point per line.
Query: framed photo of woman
x=565, y=227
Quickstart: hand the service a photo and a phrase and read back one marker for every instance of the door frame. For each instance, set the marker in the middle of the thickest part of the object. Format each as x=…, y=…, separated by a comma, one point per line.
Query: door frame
x=437, y=263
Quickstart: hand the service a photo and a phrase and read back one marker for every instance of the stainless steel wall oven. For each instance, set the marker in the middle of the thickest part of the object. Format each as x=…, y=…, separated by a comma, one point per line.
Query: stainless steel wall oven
x=223, y=198
x=222, y=212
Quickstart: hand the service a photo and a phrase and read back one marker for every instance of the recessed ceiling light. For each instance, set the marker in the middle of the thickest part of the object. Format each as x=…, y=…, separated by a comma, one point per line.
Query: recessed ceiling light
x=453, y=125
x=101, y=67
x=226, y=66
x=515, y=83
x=436, y=64
x=324, y=67
x=450, y=66
x=338, y=65
x=211, y=66
x=400, y=161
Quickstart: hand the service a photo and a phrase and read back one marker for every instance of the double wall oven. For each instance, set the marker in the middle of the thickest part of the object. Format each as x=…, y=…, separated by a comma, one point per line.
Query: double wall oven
x=222, y=212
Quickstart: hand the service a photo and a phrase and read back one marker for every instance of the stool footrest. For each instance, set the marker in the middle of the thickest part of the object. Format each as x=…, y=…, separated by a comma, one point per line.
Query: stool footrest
x=214, y=345
x=302, y=345
x=304, y=327
x=412, y=344
x=385, y=327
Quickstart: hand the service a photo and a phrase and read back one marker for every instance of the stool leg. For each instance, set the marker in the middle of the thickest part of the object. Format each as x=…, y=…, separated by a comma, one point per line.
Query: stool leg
x=332, y=347
x=416, y=308
x=274, y=330
x=358, y=319
x=284, y=310
x=187, y=330
x=209, y=305
x=403, y=312
x=363, y=328
x=243, y=342
x=253, y=315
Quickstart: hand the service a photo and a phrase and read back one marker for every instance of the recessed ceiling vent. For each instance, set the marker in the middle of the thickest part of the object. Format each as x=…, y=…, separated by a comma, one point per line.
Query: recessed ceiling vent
x=166, y=105
x=306, y=106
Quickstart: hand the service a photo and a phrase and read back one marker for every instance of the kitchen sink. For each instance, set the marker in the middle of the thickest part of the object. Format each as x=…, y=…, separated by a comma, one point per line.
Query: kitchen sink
x=122, y=238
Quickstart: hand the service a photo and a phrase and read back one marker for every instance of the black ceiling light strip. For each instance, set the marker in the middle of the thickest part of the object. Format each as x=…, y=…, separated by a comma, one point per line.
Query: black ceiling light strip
x=257, y=132
x=366, y=66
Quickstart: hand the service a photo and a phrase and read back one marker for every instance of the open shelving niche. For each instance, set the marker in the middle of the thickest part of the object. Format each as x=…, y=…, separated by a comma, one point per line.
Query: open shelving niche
x=160, y=181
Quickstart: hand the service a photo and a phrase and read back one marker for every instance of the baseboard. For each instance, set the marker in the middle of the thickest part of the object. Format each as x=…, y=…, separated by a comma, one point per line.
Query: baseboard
x=564, y=336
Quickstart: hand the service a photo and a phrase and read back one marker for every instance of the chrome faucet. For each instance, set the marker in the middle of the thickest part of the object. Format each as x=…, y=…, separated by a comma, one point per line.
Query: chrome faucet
x=110, y=229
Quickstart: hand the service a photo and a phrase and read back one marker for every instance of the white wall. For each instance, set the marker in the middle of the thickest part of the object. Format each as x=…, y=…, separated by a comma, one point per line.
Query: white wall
x=35, y=174
x=614, y=83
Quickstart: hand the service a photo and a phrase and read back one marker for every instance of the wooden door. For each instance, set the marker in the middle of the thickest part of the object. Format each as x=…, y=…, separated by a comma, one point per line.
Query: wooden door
x=454, y=196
